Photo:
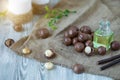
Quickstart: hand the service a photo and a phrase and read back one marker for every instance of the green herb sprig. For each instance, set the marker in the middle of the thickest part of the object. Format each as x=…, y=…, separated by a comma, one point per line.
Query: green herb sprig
x=55, y=15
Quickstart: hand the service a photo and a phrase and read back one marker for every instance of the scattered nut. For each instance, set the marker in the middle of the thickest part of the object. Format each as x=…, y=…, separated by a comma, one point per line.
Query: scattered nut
x=18, y=28
x=115, y=45
x=89, y=51
x=66, y=34
x=49, y=65
x=42, y=33
x=67, y=41
x=9, y=42
x=89, y=37
x=49, y=54
x=75, y=40
x=78, y=68
x=86, y=29
x=82, y=37
x=26, y=51
x=73, y=32
x=89, y=43
x=101, y=50
x=79, y=47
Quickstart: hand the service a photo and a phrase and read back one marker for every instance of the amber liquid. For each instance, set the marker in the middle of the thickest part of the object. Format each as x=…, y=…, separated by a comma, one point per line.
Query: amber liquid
x=102, y=40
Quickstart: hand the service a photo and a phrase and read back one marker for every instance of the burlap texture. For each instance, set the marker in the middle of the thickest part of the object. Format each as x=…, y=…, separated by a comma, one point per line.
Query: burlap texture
x=89, y=12
x=20, y=19
x=38, y=9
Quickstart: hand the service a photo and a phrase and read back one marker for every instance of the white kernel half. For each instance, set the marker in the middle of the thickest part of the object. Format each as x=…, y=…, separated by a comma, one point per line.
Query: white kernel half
x=88, y=50
x=49, y=65
x=26, y=51
x=48, y=53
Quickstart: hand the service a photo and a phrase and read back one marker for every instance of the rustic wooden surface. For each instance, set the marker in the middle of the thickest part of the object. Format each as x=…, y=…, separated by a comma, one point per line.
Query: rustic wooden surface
x=14, y=67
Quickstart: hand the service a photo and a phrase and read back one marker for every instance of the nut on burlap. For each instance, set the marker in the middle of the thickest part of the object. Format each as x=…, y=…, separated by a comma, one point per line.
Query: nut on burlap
x=87, y=14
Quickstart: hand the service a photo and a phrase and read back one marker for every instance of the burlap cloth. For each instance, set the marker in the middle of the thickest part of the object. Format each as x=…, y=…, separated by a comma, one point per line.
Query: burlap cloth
x=89, y=12
x=20, y=19
x=38, y=9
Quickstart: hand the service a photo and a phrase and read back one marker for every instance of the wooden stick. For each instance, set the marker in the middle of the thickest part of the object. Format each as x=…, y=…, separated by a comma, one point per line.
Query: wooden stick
x=112, y=63
x=108, y=59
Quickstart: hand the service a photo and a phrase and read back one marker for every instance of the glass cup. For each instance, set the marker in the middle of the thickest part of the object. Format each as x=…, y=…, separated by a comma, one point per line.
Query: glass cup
x=52, y=3
x=39, y=5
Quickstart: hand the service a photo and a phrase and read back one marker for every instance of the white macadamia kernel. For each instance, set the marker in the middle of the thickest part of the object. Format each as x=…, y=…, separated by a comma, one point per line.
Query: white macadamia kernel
x=49, y=53
x=88, y=50
x=26, y=51
x=49, y=65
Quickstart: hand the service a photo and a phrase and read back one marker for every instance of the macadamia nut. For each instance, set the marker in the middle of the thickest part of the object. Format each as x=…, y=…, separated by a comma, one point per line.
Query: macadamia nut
x=49, y=65
x=88, y=50
x=49, y=53
x=26, y=51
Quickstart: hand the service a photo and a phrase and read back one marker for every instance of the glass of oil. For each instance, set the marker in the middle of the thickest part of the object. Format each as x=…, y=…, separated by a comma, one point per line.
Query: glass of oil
x=103, y=36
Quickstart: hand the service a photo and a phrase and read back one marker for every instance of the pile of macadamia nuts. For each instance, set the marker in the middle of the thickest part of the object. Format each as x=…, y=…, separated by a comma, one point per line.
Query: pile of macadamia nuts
x=82, y=40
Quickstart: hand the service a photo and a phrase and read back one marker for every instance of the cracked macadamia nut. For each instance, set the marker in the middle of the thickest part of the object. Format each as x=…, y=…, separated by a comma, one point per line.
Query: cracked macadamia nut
x=49, y=65
x=89, y=51
x=49, y=54
x=9, y=42
x=26, y=51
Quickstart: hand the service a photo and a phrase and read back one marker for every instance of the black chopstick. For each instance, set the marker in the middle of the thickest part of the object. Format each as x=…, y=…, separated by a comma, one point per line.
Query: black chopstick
x=112, y=63
x=108, y=59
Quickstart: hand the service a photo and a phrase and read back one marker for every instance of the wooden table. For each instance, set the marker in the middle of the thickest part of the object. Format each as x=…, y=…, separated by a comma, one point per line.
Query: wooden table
x=14, y=67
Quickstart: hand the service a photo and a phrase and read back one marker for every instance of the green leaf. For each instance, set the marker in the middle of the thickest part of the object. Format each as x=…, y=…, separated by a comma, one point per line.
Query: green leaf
x=59, y=16
x=73, y=11
x=54, y=27
x=67, y=11
x=55, y=15
x=54, y=12
x=46, y=16
x=47, y=8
